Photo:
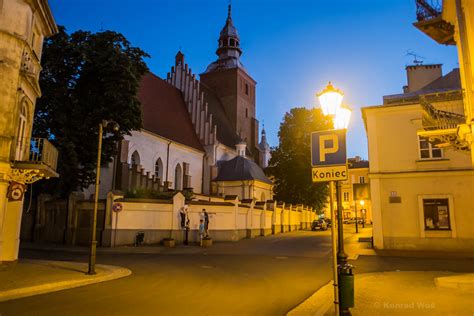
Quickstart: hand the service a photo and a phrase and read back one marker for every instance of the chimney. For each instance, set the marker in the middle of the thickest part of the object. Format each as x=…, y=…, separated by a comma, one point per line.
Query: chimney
x=418, y=76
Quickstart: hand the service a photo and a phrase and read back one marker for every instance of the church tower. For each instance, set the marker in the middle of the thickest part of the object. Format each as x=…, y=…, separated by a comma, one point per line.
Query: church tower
x=235, y=88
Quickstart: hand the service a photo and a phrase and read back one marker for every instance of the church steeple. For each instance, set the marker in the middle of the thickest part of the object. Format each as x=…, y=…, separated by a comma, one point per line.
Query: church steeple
x=229, y=41
x=228, y=49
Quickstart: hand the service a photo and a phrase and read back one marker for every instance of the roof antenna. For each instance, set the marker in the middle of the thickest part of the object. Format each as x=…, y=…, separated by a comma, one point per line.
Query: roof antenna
x=416, y=61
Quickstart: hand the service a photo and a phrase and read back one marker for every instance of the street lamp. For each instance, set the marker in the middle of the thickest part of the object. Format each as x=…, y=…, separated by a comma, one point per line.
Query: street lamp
x=93, y=250
x=331, y=100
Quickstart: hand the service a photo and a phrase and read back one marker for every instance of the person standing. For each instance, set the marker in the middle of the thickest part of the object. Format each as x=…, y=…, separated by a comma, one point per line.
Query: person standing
x=206, y=222
x=201, y=231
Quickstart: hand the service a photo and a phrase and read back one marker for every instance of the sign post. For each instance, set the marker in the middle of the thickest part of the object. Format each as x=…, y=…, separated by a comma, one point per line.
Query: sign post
x=329, y=164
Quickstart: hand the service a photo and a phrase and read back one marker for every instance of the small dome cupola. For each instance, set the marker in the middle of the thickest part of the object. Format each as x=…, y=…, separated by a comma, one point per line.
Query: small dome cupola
x=241, y=148
x=229, y=41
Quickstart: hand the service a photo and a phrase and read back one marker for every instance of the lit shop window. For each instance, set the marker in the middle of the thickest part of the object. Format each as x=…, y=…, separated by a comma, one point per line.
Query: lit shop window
x=436, y=214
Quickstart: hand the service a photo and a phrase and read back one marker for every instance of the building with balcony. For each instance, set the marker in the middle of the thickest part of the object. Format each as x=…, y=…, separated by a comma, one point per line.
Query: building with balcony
x=450, y=22
x=23, y=160
x=421, y=191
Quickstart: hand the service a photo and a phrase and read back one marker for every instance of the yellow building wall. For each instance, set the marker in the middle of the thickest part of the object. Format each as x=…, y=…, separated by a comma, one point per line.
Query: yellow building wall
x=397, y=170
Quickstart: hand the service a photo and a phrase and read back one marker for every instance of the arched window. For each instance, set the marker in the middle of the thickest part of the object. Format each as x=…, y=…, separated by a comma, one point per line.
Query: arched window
x=135, y=160
x=178, y=177
x=21, y=134
x=232, y=42
x=159, y=169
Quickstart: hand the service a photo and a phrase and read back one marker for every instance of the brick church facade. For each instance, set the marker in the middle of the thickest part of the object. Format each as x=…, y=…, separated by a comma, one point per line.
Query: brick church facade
x=195, y=128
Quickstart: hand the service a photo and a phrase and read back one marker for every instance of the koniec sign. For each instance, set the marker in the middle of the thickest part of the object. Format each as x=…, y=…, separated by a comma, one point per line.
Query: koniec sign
x=328, y=156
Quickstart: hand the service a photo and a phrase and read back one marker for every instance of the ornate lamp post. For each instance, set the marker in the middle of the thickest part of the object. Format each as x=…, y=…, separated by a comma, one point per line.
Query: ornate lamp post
x=331, y=105
x=93, y=250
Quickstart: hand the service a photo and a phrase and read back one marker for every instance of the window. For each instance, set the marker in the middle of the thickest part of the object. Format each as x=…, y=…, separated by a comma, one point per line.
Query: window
x=436, y=214
x=361, y=180
x=232, y=42
x=159, y=169
x=135, y=159
x=246, y=112
x=346, y=196
x=178, y=177
x=247, y=89
x=428, y=151
x=21, y=133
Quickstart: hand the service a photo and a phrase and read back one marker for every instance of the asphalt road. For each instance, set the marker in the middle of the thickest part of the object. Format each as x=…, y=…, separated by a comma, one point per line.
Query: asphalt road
x=263, y=276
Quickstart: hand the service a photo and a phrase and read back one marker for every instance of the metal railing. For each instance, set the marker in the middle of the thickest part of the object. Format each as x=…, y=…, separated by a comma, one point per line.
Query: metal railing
x=428, y=9
x=434, y=119
x=39, y=151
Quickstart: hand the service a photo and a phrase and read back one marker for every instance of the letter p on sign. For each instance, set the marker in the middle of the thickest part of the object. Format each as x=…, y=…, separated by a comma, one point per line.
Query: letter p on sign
x=328, y=144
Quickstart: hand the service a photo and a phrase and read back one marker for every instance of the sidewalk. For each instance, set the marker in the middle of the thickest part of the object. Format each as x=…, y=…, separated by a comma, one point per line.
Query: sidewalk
x=400, y=293
x=33, y=277
x=397, y=293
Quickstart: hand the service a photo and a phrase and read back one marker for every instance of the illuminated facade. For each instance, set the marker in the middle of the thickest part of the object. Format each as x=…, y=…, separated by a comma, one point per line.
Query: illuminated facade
x=421, y=194
x=451, y=22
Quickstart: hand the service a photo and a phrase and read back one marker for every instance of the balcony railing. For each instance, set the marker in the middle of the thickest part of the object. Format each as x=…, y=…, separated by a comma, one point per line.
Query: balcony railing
x=430, y=21
x=428, y=9
x=440, y=127
x=434, y=119
x=40, y=151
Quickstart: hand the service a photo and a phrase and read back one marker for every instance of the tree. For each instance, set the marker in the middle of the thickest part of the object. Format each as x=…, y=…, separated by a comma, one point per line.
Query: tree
x=290, y=162
x=86, y=78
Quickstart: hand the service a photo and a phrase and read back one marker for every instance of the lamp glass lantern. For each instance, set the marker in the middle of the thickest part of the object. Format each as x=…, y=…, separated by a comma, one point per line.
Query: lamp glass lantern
x=330, y=99
x=342, y=118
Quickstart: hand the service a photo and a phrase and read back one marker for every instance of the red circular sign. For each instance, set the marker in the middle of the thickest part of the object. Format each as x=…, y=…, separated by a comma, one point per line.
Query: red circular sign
x=117, y=207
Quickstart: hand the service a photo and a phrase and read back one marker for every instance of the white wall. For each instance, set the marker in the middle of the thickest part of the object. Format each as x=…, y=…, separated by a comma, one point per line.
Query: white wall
x=150, y=147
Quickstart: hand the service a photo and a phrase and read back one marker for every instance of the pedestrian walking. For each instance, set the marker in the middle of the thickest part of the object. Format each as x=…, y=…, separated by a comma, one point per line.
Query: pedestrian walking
x=206, y=222
x=201, y=231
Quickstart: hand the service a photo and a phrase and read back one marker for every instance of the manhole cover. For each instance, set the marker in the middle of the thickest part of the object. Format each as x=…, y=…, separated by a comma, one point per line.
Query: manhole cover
x=281, y=258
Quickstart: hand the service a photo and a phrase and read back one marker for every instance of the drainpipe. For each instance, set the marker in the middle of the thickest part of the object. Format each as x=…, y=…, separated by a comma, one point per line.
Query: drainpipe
x=202, y=177
x=167, y=161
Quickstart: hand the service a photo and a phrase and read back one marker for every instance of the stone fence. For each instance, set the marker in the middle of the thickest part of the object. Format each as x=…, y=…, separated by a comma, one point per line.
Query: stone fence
x=120, y=219
x=230, y=219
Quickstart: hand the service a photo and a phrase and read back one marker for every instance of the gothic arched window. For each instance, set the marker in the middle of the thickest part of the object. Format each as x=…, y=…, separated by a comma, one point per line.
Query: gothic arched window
x=159, y=169
x=178, y=177
x=135, y=160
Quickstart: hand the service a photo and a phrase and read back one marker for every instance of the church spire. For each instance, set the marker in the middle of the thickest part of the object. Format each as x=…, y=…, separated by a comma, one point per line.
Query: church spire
x=229, y=41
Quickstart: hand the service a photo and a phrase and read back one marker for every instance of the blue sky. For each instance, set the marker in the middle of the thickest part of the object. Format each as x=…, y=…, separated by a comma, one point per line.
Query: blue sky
x=292, y=48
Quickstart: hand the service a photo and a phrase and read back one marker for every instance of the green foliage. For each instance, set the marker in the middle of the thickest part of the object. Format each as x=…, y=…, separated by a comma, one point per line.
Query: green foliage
x=86, y=78
x=153, y=194
x=290, y=163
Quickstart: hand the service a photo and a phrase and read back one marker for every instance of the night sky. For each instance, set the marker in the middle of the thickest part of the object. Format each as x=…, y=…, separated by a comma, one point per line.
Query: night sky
x=292, y=48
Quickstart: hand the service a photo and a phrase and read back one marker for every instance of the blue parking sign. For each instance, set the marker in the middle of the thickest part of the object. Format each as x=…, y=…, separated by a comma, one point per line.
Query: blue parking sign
x=328, y=148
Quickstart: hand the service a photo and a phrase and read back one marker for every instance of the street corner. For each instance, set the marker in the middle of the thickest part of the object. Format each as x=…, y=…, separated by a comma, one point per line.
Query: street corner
x=317, y=304
x=34, y=277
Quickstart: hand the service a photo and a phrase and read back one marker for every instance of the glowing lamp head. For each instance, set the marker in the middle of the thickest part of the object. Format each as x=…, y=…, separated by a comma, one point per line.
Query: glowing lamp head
x=342, y=118
x=362, y=202
x=330, y=99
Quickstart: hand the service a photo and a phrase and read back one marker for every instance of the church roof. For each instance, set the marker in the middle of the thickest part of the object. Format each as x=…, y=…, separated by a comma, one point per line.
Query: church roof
x=164, y=112
x=240, y=168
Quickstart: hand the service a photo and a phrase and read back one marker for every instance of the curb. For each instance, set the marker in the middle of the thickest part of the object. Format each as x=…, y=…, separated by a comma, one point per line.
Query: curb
x=324, y=301
x=109, y=273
